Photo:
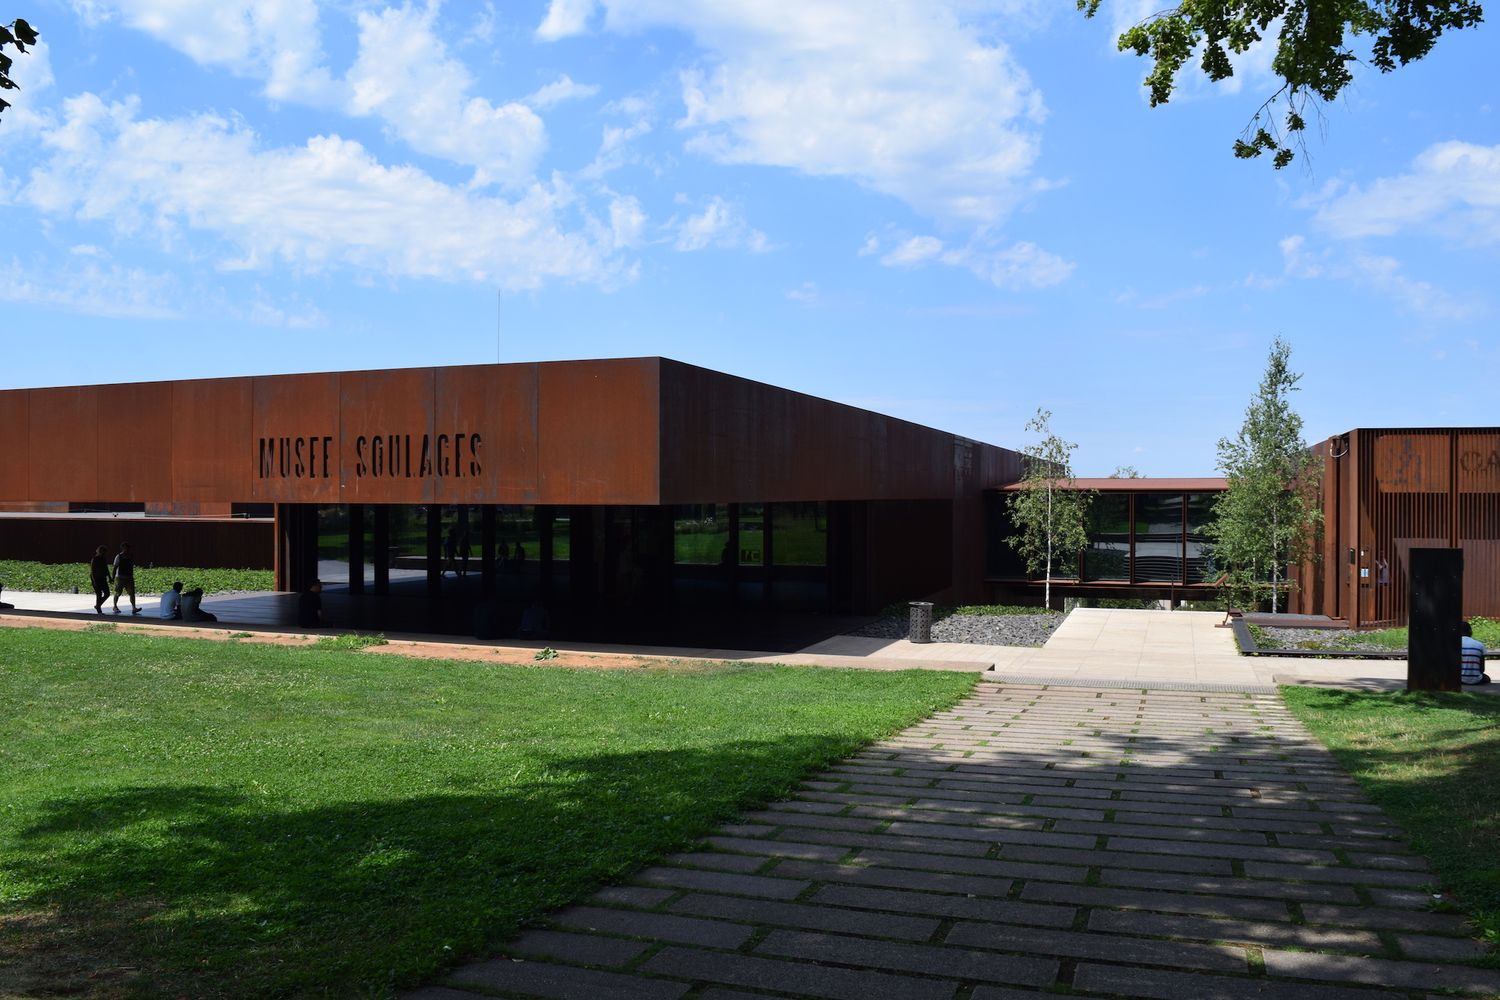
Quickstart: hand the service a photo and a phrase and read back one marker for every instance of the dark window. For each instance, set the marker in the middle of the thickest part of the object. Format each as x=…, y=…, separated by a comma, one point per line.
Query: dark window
x=1108, y=554
x=801, y=534
x=1200, y=562
x=1001, y=561
x=1158, y=537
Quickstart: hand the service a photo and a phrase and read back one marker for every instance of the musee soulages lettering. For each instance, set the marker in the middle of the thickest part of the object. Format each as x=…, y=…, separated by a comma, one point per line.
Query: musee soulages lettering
x=376, y=456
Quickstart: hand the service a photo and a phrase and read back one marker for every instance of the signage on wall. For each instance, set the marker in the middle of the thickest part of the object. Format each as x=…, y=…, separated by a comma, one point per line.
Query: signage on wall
x=376, y=456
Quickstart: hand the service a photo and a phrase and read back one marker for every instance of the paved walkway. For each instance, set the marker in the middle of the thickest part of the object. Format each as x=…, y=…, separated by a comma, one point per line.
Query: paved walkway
x=1161, y=844
x=1097, y=644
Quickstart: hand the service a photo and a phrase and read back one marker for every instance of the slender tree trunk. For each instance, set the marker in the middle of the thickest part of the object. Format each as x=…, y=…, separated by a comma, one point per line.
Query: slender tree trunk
x=1275, y=562
x=1047, y=587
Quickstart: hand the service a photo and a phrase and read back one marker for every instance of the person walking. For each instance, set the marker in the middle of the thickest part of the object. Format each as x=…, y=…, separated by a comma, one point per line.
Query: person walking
x=99, y=578
x=124, y=578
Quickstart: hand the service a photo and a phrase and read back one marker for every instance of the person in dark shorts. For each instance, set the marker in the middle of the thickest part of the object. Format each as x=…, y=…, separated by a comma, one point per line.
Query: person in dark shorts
x=124, y=578
x=99, y=578
x=310, y=606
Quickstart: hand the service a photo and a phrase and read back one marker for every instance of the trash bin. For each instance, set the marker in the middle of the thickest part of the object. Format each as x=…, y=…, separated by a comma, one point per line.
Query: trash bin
x=920, y=627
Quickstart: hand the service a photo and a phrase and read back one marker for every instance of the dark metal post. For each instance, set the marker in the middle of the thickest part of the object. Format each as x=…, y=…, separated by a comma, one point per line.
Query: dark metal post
x=380, y=540
x=487, y=549
x=434, y=550
x=1437, y=588
x=356, y=548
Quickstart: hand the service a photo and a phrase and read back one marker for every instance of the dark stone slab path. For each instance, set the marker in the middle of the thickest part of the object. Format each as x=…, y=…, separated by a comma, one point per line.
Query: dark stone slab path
x=1165, y=844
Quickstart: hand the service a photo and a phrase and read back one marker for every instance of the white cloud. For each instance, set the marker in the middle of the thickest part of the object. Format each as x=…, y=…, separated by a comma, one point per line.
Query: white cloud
x=627, y=221
x=913, y=251
x=559, y=90
x=403, y=74
x=806, y=293
x=1019, y=266
x=1453, y=188
x=274, y=40
x=93, y=289
x=1382, y=274
x=720, y=225
x=907, y=100
x=482, y=31
x=324, y=204
x=615, y=148
x=565, y=18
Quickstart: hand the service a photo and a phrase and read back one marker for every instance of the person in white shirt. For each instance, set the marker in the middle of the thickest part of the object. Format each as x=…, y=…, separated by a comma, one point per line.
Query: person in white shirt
x=171, y=601
x=1471, y=651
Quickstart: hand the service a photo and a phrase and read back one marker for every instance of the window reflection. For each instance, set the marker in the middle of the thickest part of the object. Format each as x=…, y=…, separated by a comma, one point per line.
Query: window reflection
x=1158, y=537
x=1108, y=554
x=1200, y=563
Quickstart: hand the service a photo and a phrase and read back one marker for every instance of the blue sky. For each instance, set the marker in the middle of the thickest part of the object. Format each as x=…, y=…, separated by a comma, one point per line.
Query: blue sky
x=953, y=211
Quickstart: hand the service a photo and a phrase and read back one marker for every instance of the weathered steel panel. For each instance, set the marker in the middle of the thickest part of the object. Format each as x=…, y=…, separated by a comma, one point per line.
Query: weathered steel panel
x=231, y=544
x=64, y=436
x=15, y=446
x=597, y=423
x=728, y=439
x=212, y=456
x=294, y=442
x=1478, y=527
x=499, y=404
x=389, y=450
x=135, y=451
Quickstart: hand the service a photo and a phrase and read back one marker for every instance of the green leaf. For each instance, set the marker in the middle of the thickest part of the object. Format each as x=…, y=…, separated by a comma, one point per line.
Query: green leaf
x=25, y=32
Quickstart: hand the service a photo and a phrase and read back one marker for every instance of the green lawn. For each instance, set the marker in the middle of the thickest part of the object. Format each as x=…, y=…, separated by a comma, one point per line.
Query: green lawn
x=218, y=819
x=1432, y=761
x=61, y=578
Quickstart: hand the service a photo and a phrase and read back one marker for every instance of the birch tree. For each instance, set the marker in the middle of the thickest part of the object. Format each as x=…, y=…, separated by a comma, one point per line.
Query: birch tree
x=1050, y=515
x=1268, y=517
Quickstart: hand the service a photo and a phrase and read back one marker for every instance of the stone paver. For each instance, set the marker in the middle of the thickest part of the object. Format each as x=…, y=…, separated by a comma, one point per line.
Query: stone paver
x=1034, y=839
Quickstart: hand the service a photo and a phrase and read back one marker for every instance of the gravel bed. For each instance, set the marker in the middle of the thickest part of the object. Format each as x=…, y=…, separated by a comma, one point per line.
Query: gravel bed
x=982, y=630
x=1334, y=640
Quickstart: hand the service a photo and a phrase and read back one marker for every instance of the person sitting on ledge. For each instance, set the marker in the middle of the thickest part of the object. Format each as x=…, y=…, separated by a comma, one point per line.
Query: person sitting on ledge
x=1472, y=651
x=171, y=601
x=192, y=607
x=310, y=606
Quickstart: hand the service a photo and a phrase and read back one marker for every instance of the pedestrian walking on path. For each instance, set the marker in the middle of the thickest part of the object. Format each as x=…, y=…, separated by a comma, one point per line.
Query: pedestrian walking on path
x=99, y=574
x=123, y=577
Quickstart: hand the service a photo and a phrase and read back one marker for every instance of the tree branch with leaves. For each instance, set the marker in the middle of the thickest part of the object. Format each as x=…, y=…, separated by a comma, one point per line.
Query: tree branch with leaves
x=1314, y=57
x=17, y=34
x=1050, y=515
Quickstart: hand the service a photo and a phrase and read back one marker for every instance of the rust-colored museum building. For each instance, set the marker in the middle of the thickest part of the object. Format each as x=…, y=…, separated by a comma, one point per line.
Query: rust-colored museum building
x=630, y=485
x=616, y=490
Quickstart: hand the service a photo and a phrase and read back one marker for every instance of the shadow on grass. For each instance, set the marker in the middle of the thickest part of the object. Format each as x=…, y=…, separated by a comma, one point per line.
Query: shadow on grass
x=1432, y=761
x=191, y=890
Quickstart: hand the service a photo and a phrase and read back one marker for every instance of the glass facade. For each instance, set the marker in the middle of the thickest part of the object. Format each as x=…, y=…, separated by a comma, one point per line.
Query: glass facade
x=1200, y=561
x=1158, y=537
x=1108, y=554
x=1141, y=538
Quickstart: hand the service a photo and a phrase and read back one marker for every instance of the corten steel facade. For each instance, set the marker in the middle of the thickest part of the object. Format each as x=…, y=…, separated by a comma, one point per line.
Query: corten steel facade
x=1387, y=491
x=613, y=452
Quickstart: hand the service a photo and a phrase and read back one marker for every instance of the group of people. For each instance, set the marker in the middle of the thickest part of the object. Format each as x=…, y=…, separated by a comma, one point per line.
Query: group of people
x=185, y=605
x=117, y=578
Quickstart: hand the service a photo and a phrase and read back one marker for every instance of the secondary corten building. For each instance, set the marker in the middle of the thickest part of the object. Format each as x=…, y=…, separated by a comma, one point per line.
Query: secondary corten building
x=630, y=484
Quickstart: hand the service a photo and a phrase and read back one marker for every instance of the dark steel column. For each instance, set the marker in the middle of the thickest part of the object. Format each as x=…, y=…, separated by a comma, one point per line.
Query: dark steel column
x=768, y=550
x=1437, y=600
x=487, y=549
x=732, y=571
x=356, y=548
x=544, y=543
x=380, y=541
x=434, y=550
